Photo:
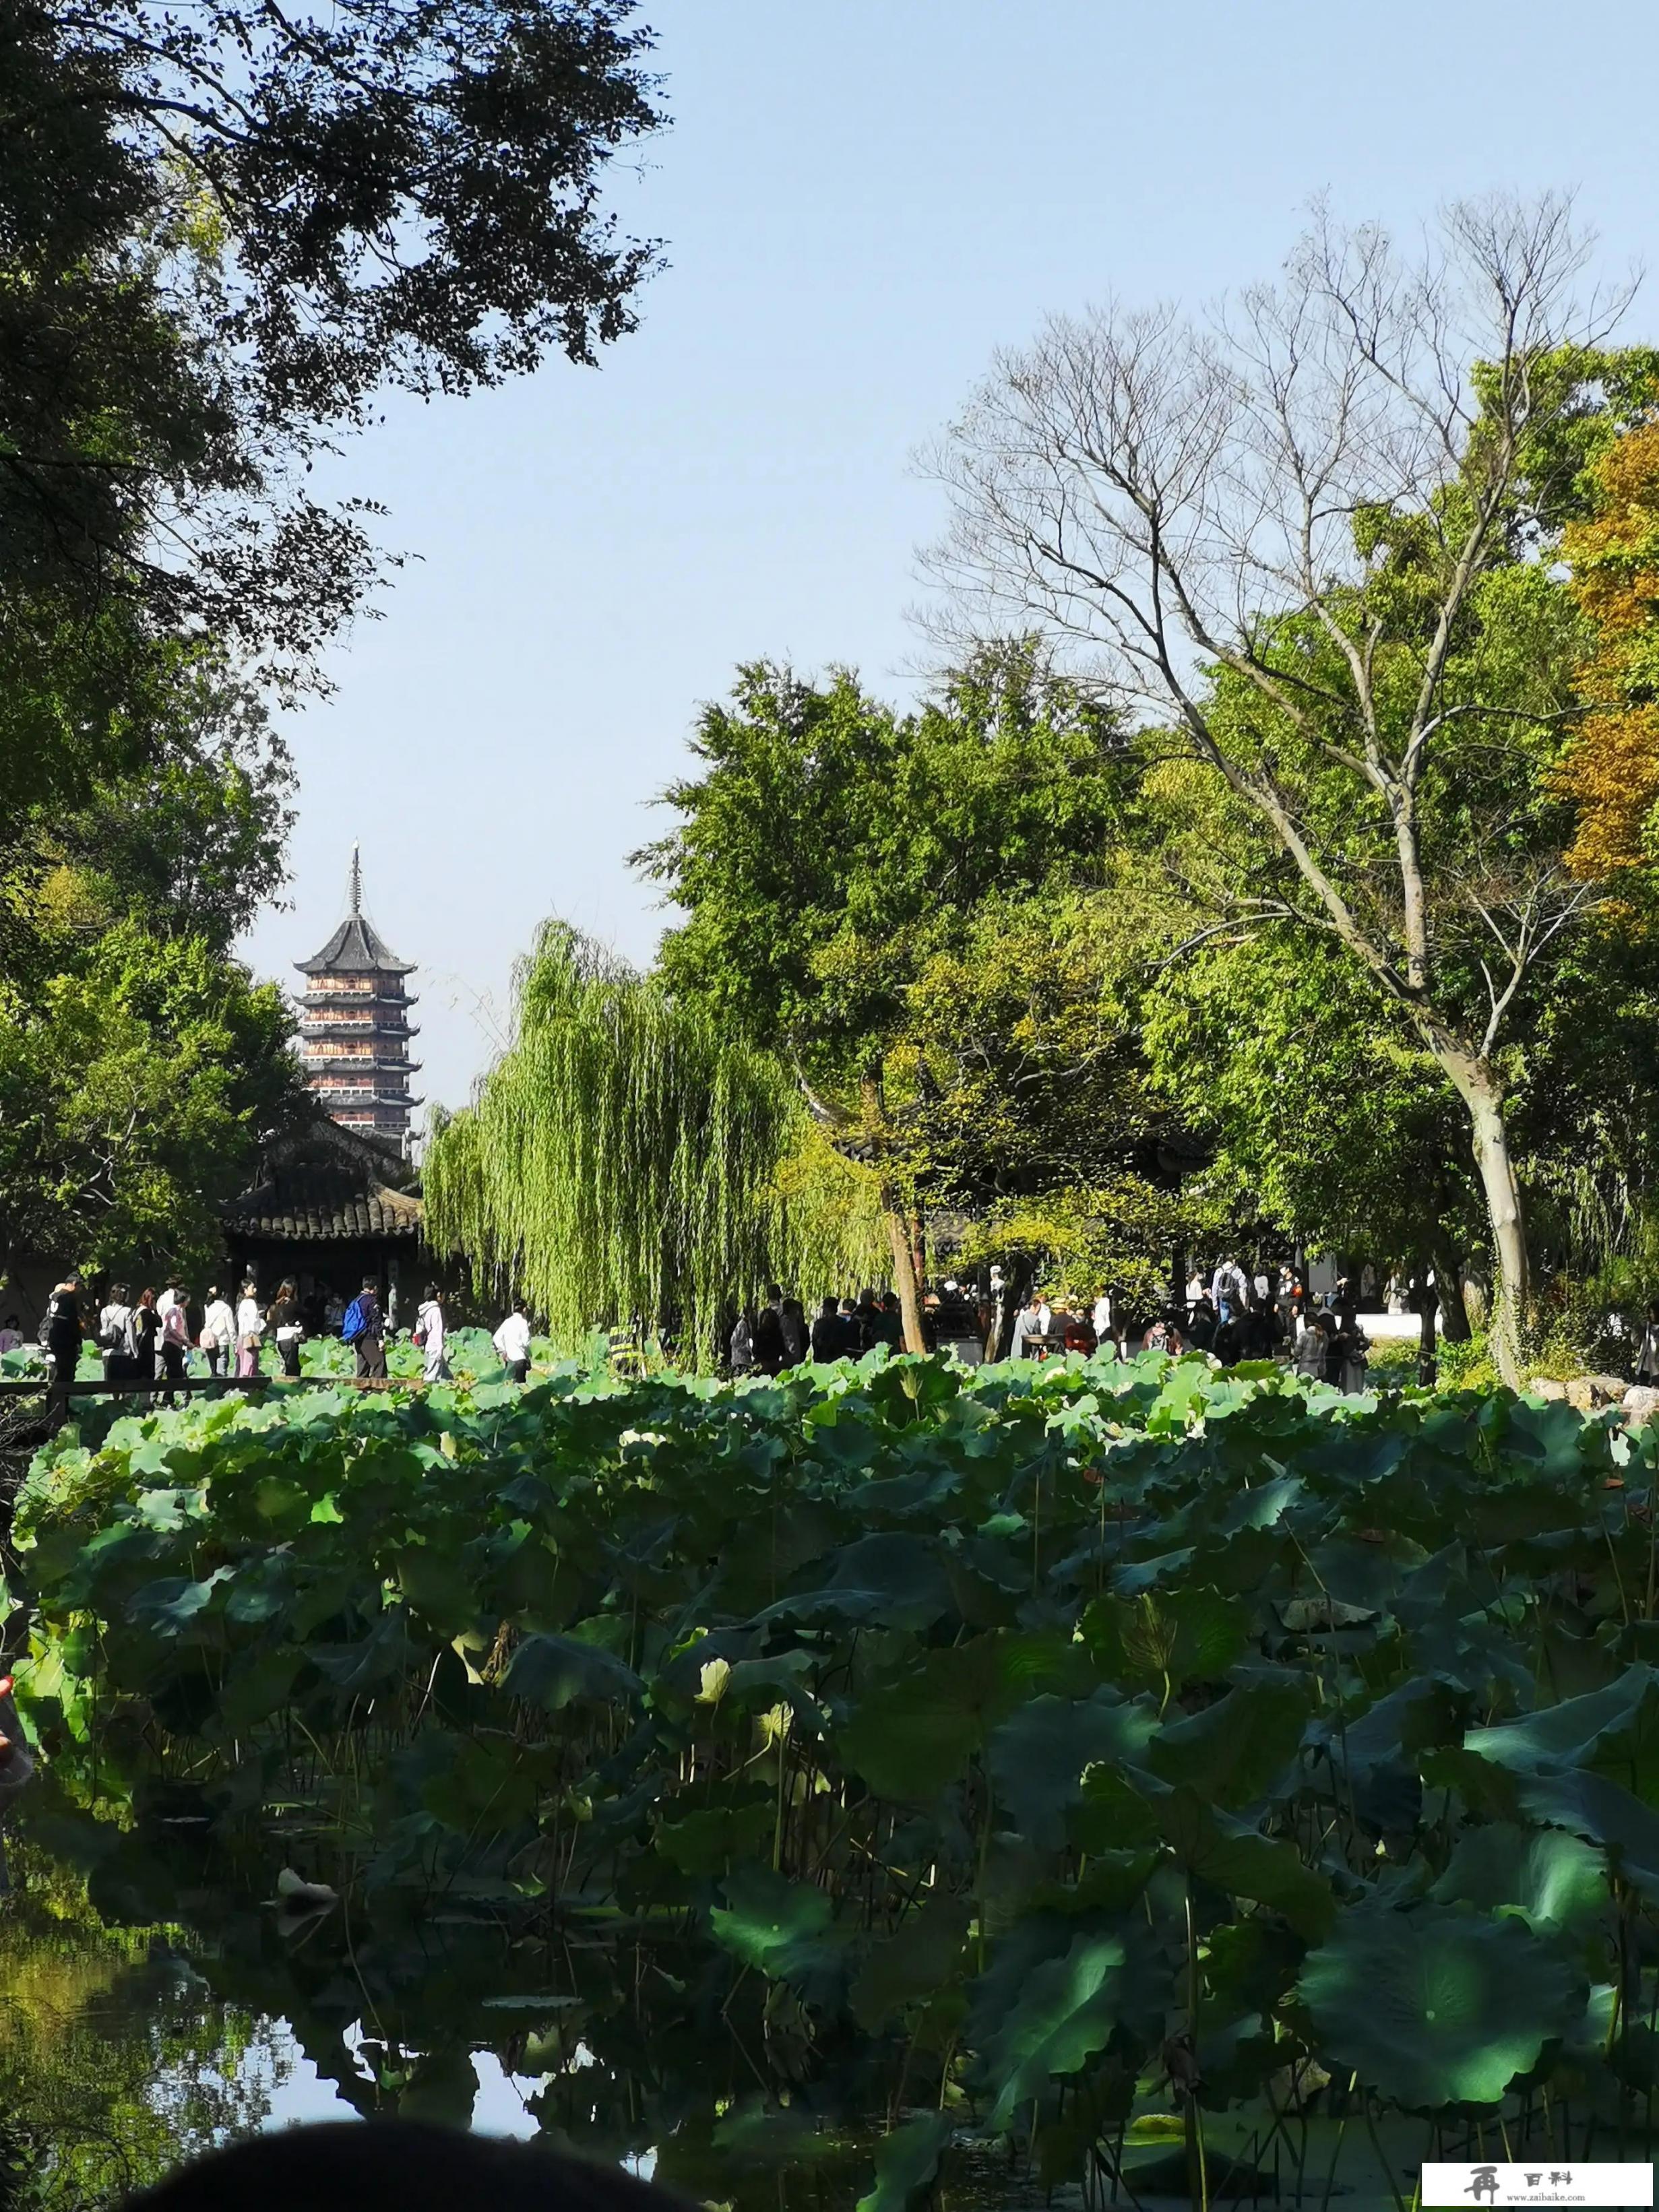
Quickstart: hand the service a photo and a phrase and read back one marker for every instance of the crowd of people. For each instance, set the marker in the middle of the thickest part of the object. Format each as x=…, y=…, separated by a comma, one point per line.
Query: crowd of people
x=160, y=1338
x=157, y=1340
x=1232, y=1315
x=769, y=1338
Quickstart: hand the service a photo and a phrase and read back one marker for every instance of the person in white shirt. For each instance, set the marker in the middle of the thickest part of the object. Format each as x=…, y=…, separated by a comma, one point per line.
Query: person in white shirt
x=429, y=1336
x=250, y=1332
x=218, y=1329
x=512, y=1340
x=1231, y=1290
x=1101, y=1318
x=116, y=1340
x=1027, y=1322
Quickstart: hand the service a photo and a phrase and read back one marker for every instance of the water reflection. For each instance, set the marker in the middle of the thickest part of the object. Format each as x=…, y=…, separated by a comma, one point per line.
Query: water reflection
x=153, y=2002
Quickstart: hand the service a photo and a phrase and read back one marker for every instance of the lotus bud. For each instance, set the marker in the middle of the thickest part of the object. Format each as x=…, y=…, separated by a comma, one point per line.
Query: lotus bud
x=715, y=1678
x=775, y=1725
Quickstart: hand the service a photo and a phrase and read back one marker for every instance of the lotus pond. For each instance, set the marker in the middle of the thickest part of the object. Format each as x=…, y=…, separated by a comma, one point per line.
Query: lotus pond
x=1128, y=1781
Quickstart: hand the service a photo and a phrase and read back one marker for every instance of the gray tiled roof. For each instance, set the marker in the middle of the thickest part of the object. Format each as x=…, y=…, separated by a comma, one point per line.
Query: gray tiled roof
x=313, y=1204
x=357, y=948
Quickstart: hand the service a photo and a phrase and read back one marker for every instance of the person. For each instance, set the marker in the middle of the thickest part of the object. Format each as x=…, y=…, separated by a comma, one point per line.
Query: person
x=218, y=1329
x=146, y=1333
x=1200, y=1330
x=512, y=1340
x=794, y=1319
x=363, y=1328
x=287, y=1328
x=116, y=1340
x=1313, y=1347
x=1028, y=1323
x=172, y=1295
x=888, y=1321
x=1344, y=1363
x=250, y=1332
x=1164, y=1335
x=741, y=1349
x=1227, y=1344
x=867, y=1317
x=769, y=1341
x=1076, y=1334
x=429, y=1336
x=1229, y=1289
x=1101, y=1318
x=1264, y=1331
x=829, y=1335
x=60, y=1338
x=11, y=1335
x=17, y=1765
x=174, y=1342
x=1647, y=1349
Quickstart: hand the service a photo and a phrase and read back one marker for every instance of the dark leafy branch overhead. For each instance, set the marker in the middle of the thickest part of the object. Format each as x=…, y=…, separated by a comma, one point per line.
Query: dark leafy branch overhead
x=227, y=230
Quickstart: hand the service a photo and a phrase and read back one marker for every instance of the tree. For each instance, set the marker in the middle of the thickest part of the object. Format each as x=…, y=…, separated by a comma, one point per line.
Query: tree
x=1611, y=771
x=630, y=1157
x=1296, y=538
x=137, y=1085
x=193, y=843
x=1327, y=1114
x=832, y=851
x=224, y=230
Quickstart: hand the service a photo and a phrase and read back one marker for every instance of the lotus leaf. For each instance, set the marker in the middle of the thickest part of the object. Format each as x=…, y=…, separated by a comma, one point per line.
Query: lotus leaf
x=1435, y=2007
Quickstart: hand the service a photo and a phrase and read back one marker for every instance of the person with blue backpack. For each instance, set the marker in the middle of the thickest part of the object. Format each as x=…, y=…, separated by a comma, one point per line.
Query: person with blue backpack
x=364, y=1330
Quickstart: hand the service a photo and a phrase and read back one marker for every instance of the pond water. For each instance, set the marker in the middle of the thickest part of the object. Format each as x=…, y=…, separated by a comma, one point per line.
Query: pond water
x=152, y=2005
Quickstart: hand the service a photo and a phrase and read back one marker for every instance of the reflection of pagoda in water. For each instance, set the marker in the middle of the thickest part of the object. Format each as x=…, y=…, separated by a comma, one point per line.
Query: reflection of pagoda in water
x=354, y=1027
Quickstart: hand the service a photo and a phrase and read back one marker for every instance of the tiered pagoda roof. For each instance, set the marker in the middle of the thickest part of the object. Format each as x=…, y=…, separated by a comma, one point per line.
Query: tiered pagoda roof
x=357, y=948
x=354, y=1026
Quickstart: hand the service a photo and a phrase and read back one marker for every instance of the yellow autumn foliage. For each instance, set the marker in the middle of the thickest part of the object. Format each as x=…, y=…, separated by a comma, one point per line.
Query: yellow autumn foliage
x=1610, y=772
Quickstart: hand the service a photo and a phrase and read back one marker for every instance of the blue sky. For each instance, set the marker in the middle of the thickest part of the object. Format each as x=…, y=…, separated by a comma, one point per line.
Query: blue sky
x=859, y=203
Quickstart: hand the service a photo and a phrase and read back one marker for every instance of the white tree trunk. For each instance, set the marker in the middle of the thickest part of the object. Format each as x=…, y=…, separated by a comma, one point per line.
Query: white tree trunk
x=1480, y=1087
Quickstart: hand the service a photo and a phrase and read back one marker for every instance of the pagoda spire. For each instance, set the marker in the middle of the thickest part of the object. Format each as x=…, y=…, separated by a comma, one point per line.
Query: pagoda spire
x=357, y=879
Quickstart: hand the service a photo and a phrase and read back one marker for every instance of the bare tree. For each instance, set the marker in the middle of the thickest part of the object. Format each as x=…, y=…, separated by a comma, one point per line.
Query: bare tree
x=1216, y=516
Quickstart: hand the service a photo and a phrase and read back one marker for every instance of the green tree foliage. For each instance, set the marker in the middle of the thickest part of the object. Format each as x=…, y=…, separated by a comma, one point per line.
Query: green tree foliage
x=194, y=841
x=222, y=230
x=623, y=1159
x=899, y=906
x=1329, y=1119
x=136, y=1081
x=830, y=845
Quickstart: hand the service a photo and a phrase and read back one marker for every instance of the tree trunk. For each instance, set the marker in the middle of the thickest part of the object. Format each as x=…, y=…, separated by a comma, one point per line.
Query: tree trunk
x=1426, y=1295
x=1480, y=1087
x=904, y=1272
x=905, y=1278
x=1454, y=1314
x=1016, y=1286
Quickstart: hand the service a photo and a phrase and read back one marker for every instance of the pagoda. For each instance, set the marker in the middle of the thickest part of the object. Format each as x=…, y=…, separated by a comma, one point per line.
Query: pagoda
x=354, y=1027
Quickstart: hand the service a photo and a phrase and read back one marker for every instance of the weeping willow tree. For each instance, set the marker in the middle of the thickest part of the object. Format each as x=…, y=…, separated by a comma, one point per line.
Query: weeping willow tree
x=626, y=1158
